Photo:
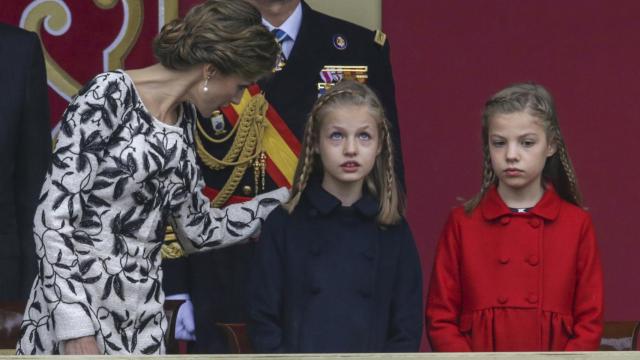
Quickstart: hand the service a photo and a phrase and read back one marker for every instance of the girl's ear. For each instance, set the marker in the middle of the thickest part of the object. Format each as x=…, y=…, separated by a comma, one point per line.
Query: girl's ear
x=552, y=147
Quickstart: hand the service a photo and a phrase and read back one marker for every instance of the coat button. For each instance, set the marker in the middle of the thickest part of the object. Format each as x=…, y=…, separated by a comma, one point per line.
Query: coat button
x=246, y=190
x=535, y=222
x=365, y=293
x=505, y=220
x=502, y=300
x=504, y=260
x=313, y=212
x=532, y=299
x=315, y=290
x=533, y=260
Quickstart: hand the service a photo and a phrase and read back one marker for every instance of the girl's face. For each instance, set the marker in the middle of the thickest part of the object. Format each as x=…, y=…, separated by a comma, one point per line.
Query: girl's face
x=348, y=145
x=519, y=148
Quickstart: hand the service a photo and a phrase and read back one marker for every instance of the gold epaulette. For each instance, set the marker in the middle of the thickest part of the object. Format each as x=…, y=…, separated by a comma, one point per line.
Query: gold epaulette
x=380, y=38
x=171, y=248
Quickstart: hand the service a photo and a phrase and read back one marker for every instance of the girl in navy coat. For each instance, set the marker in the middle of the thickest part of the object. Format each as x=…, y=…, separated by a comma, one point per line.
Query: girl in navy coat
x=336, y=268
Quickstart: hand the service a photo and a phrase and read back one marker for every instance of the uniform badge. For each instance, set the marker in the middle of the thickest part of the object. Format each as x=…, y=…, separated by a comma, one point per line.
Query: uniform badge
x=380, y=38
x=217, y=122
x=332, y=74
x=340, y=42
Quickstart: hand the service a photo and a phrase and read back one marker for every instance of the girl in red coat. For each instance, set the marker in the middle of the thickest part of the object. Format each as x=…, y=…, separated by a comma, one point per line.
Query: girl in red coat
x=517, y=268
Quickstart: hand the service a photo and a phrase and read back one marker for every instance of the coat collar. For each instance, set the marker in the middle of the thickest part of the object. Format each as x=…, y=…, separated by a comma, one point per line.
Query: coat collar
x=326, y=203
x=547, y=208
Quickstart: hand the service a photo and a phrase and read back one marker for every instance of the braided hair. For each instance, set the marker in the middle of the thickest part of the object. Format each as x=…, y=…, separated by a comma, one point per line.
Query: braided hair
x=538, y=102
x=382, y=181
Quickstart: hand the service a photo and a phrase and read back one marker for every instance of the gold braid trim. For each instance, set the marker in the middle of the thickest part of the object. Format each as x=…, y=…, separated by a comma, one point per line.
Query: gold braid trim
x=171, y=248
x=247, y=146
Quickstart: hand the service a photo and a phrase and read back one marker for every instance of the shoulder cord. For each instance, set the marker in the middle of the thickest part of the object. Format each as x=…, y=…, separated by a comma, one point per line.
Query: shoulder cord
x=246, y=147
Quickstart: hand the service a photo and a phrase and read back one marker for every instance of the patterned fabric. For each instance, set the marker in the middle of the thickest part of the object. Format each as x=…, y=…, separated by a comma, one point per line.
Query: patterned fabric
x=118, y=175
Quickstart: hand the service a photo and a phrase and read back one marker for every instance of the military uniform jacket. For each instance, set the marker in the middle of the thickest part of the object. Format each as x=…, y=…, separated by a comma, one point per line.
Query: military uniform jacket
x=327, y=278
x=505, y=281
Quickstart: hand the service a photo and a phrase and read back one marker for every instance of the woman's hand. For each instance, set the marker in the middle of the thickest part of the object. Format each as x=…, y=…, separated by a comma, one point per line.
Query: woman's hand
x=86, y=345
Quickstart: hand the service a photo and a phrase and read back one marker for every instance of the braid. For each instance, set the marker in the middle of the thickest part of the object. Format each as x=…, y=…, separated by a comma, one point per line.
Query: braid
x=488, y=180
x=307, y=162
x=567, y=167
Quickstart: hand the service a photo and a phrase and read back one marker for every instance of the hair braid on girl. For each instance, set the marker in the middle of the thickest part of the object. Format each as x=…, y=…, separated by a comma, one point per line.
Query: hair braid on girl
x=307, y=162
x=488, y=179
x=390, y=178
x=570, y=173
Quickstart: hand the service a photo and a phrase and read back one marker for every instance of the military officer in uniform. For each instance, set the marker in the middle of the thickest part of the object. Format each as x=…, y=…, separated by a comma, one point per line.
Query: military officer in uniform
x=252, y=147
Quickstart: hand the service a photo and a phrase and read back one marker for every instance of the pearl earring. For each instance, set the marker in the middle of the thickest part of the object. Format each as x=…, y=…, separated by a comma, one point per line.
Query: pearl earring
x=206, y=81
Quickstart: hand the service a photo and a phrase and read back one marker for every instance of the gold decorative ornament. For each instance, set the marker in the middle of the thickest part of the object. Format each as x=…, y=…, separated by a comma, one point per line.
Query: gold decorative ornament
x=245, y=150
x=171, y=248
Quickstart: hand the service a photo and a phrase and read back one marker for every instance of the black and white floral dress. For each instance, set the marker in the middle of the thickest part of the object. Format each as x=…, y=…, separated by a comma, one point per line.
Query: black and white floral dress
x=117, y=176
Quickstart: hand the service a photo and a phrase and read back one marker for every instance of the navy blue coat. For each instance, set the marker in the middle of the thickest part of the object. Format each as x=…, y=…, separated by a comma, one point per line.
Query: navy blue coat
x=327, y=278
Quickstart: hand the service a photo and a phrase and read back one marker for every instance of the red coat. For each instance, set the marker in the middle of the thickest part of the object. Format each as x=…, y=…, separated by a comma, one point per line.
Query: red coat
x=505, y=281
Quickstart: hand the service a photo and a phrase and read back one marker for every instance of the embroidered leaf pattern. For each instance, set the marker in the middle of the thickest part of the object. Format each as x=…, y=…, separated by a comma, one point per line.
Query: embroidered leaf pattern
x=117, y=177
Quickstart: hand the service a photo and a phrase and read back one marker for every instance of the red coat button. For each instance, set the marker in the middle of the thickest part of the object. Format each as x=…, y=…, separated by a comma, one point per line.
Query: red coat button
x=502, y=300
x=533, y=260
x=505, y=220
x=504, y=260
x=535, y=222
x=532, y=299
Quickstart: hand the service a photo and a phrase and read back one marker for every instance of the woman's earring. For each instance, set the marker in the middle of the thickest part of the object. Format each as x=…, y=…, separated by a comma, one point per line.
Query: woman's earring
x=206, y=82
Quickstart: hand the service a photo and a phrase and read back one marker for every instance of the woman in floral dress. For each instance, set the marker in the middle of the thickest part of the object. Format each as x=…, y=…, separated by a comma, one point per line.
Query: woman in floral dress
x=123, y=167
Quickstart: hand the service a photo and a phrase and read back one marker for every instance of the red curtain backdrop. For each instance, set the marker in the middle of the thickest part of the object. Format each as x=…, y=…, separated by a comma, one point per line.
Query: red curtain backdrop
x=449, y=56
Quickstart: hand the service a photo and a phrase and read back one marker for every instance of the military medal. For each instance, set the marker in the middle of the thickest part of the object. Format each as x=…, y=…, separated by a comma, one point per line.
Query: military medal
x=339, y=42
x=332, y=74
x=217, y=122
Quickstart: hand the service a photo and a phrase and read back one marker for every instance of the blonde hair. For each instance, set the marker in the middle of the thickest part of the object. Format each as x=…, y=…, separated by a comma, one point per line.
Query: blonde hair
x=535, y=100
x=381, y=182
x=227, y=34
